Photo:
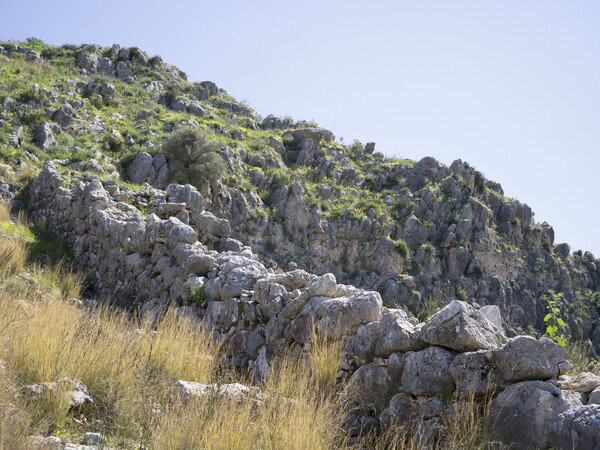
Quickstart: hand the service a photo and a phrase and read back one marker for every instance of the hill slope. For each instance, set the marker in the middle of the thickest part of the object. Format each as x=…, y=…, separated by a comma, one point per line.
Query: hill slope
x=418, y=232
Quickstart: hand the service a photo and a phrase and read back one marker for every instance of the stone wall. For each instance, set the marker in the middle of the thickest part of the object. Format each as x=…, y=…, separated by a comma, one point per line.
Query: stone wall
x=398, y=367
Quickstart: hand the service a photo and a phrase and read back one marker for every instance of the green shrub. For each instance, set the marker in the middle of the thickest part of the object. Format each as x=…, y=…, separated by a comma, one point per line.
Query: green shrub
x=193, y=159
x=402, y=248
x=461, y=294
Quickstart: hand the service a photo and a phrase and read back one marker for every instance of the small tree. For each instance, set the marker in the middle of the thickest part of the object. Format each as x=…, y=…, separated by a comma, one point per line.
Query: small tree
x=193, y=159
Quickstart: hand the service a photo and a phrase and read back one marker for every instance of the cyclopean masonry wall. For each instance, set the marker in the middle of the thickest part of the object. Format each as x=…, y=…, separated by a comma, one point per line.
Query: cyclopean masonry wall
x=399, y=367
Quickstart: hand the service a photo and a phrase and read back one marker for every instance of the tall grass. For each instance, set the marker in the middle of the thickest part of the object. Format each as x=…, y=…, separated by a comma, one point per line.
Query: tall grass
x=13, y=255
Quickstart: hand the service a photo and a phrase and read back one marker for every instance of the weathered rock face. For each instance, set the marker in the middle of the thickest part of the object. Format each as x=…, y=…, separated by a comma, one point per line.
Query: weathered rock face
x=577, y=428
x=522, y=358
x=148, y=169
x=522, y=413
x=461, y=327
x=261, y=315
x=427, y=372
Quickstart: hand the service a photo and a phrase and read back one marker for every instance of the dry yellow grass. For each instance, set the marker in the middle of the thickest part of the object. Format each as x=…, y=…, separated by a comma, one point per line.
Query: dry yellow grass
x=4, y=211
x=131, y=365
x=13, y=255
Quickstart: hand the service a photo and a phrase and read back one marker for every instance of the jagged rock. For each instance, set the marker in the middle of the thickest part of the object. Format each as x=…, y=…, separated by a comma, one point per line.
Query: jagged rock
x=238, y=273
x=104, y=89
x=77, y=393
x=181, y=233
x=207, y=222
x=577, y=428
x=522, y=358
x=426, y=372
x=492, y=313
x=461, y=327
x=594, y=397
x=523, y=412
x=230, y=245
x=43, y=136
x=584, y=382
x=403, y=409
x=196, y=110
x=395, y=368
x=270, y=296
x=166, y=210
x=64, y=115
x=187, y=194
x=161, y=168
x=316, y=134
x=371, y=386
x=397, y=335
x=15, y=137
x=336, y=317
x=365, y=340
x=141, y=169
x=323, y=286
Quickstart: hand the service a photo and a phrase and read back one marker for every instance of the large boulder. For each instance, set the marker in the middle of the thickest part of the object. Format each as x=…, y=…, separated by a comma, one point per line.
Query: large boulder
x=141, y=169
x=522, y=414
x=401, y=412
x=238, y=273
x=577, y=428
x=427, y=372
x=323, y=286
x=584, y=382
x=461, y=327
x=208, y=223
x=64, y=115
x=316, y=134
x=365, y=340
x=43, y=136
x=188, y=194
x=522, y=358
x=337, y=317
x=371, y=387
x=397, y=335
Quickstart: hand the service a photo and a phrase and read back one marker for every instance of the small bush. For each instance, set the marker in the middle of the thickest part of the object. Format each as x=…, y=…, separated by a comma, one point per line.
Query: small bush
x=402, y=248
x=193, y=159
x=461, y=294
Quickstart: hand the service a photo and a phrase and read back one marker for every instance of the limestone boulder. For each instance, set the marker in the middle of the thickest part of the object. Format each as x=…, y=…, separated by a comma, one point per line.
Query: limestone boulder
x=427, y=372
x=522, y=358
x=141, y=169
x=461, y=327
x=207, y=222
x=521, y=415
x=577, y=428
x=371, y=387
x=397, y=335
x=584, y=382
x=188, y=194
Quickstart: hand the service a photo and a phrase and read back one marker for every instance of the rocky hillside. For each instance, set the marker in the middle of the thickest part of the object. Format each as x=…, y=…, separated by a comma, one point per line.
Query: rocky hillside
x=420, y=233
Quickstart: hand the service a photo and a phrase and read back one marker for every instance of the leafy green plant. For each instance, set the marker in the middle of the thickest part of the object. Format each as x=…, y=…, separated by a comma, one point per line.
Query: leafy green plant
x=198, y=294
x=555, y=325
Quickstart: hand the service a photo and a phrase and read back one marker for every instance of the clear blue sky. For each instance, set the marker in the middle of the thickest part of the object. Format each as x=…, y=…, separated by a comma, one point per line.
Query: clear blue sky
x=512, y=87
